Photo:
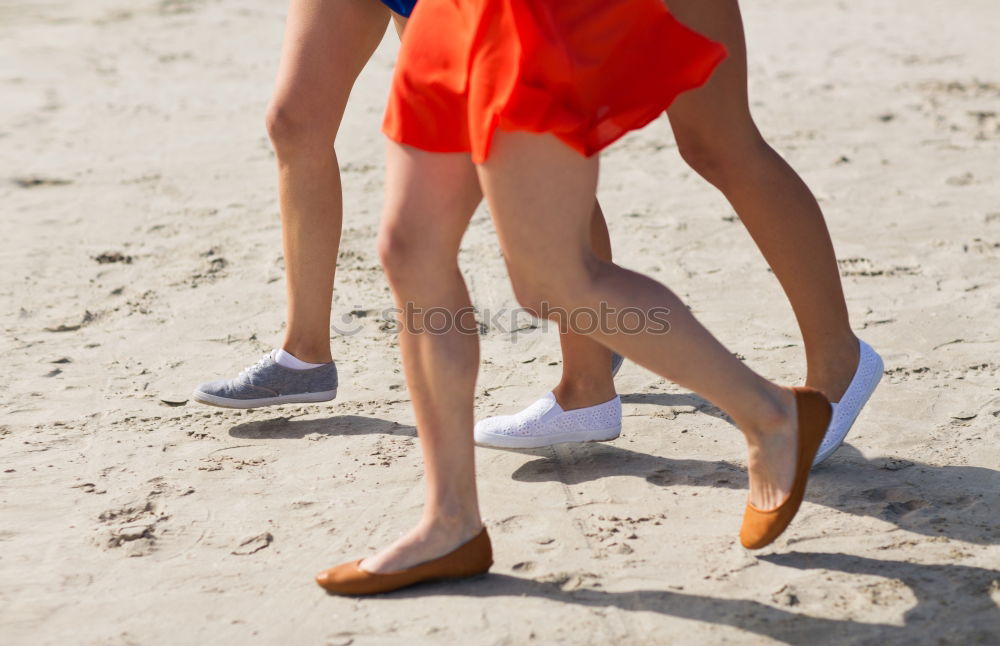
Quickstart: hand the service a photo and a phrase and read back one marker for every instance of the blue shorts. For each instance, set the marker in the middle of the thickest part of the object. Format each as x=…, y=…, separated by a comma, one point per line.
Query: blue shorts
x=402, y=7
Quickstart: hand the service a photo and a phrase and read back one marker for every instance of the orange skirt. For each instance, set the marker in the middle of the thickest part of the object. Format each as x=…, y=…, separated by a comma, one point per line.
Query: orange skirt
x=587, y=71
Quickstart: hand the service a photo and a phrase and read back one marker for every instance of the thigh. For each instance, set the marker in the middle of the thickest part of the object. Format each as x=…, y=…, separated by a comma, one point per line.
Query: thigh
x=326, y=45
x=400, y=23
x=429, y=199
x=720, y=108
x=541, y=196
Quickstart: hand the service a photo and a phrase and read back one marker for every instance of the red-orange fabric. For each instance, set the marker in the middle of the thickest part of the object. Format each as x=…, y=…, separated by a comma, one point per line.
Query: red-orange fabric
x=587, y=71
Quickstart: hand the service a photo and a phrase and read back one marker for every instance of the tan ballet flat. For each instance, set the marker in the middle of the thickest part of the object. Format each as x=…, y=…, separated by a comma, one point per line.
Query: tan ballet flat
x=760, y=528
x=469, y=559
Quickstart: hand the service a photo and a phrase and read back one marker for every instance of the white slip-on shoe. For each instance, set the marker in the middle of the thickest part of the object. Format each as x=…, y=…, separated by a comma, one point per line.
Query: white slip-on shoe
x=866, y=378
x=545, y=423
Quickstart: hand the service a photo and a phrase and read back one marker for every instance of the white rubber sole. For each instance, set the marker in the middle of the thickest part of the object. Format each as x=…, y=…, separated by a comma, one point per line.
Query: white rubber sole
x=541, y=441
x=225, y=402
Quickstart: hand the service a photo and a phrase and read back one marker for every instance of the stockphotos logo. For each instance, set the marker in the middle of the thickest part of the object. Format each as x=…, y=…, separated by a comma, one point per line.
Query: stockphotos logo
x=470, y=320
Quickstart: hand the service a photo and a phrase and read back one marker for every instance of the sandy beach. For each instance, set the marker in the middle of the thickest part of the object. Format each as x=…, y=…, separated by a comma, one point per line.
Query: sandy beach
x=140, y=255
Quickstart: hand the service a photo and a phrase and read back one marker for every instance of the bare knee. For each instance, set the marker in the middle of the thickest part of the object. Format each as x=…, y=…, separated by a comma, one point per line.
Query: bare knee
x=554, y=291
x=395, y=251
x=531, y=296
x=717, y=155
x=296, y=130
x=411, y=255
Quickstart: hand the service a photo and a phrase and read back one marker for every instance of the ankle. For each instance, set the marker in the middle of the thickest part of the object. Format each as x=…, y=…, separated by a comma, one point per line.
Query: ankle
x=773, y=412
x=451, y=523
x=310, y=353
x=455, y=504
x=581, y=391
x=830, y=371
x=832, y=349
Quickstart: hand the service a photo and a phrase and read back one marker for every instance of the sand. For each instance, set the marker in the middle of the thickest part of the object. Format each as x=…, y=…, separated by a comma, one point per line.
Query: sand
x=140, y=255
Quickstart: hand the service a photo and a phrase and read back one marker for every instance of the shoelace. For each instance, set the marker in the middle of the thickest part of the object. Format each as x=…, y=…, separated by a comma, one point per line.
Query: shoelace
x=249, y=372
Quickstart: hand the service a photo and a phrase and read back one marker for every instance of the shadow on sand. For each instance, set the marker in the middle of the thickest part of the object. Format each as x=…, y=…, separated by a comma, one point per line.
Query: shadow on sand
x=960, y=502
x=671, y=400
x=953, y=603
x=287, y=428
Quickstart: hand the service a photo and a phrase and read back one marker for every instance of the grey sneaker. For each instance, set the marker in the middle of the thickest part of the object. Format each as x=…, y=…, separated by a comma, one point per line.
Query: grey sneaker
x=268, y=384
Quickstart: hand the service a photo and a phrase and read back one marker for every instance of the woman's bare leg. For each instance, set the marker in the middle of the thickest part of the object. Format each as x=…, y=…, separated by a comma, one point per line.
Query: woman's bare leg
x=586, y=371
x=718, y=138
x=429, y=201
x=326, y=44
x=539, y=192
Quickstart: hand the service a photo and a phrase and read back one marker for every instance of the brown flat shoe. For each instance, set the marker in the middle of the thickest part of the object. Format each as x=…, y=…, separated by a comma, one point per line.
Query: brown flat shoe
x=469, y=559
x=760, y=528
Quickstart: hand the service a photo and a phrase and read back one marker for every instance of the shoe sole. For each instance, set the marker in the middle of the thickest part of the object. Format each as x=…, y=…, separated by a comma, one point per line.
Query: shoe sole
x=820, y=457
x=510, y=442
x=226, y=402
